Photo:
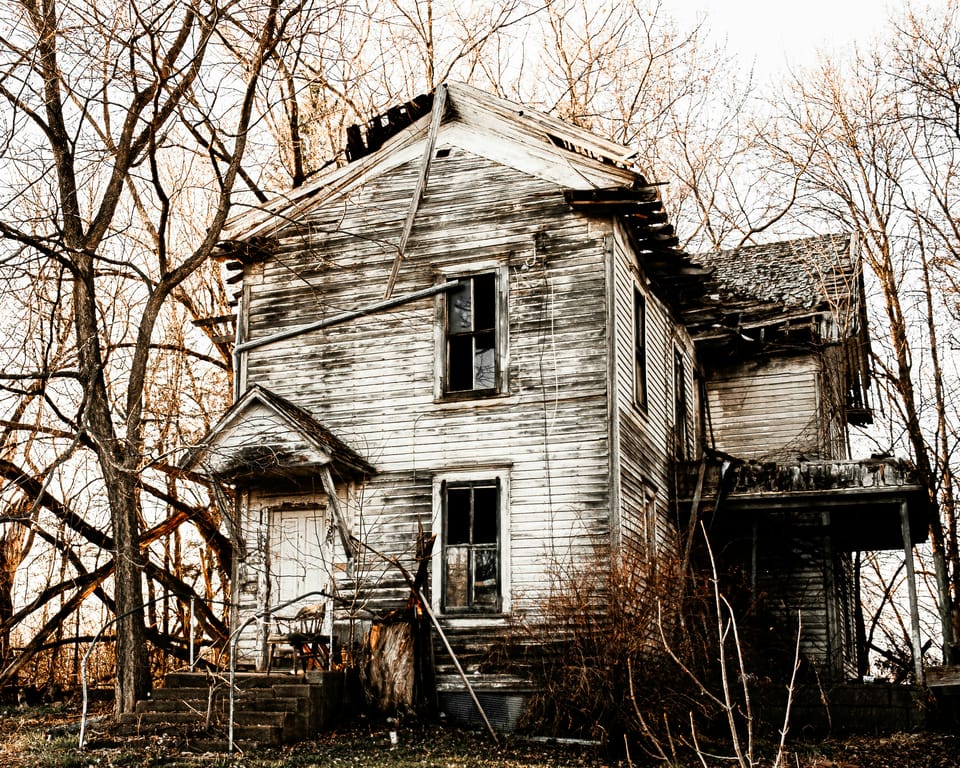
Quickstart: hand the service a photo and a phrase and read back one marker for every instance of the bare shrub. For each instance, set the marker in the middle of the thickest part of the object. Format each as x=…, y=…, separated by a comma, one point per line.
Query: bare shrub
x=630, y=656
x=596, y=625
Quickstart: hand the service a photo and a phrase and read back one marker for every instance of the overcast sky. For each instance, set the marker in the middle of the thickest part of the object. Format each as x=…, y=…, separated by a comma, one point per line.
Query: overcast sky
x=777, y=35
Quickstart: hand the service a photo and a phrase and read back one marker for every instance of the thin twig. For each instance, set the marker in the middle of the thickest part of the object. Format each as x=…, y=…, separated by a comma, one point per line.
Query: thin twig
x=790, y=689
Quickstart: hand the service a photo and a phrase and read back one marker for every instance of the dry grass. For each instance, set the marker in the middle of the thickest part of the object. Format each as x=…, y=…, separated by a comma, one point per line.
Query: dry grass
x=24, y=743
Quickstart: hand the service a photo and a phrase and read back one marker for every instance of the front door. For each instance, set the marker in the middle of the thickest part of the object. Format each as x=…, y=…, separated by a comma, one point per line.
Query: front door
x=300, y=556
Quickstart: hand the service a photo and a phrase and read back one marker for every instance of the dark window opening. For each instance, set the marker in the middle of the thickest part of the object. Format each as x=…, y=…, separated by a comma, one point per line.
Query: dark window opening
x=471, y=349
x=680, y=413
x=471, y=546
x=639, y=348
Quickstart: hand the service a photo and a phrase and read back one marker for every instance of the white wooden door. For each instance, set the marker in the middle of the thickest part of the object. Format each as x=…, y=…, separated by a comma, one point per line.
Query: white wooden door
x=300, y=556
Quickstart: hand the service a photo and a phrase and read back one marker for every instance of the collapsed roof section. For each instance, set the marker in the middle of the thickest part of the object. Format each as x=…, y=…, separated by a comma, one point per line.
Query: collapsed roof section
x=779, y=283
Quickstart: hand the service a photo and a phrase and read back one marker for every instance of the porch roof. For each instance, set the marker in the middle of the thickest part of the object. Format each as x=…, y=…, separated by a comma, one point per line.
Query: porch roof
x=263, y=434
x=859, y=503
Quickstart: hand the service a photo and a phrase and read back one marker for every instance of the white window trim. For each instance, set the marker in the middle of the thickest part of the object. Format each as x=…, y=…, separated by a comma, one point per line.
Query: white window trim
x=681, y=421
x=501, y=474
x=502, y=272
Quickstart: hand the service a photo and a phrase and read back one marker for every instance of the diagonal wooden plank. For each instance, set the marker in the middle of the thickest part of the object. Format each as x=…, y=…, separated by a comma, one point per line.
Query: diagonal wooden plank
x=439, y=103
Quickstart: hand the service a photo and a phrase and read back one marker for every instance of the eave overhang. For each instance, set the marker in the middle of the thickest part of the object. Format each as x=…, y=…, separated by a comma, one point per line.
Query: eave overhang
x=673, y=274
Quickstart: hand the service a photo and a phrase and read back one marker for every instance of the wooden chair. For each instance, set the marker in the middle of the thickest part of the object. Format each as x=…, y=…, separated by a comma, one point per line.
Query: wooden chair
x=303, y=634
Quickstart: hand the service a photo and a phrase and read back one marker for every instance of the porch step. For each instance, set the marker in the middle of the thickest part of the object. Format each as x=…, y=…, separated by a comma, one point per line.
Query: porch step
x=268, y=709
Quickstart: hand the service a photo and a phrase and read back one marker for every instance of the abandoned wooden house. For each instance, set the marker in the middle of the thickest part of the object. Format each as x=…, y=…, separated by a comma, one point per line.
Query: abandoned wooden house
x=482, y=328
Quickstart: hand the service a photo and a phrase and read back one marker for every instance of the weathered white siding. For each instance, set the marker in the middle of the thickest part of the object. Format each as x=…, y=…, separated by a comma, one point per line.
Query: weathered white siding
x=767, y=411
x=645, y=436
x=372, y=380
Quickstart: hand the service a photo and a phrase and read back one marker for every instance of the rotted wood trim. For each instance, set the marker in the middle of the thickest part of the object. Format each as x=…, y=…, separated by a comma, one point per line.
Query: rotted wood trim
x=613, y=406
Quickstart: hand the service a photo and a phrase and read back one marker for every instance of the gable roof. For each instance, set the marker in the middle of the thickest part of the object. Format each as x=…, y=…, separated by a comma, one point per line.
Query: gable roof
x=598, y=176
x=479, y=122
x=263, y=433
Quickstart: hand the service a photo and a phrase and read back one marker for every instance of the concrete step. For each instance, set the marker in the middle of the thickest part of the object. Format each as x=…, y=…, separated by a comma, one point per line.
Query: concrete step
x=264, y=735
x=275, y=703
x=294, y=690
x=179, y=694
x=261, y=727
x=220, y=706
x=171, y=705
x=268, y=709
x=279, y=719
x=185, y=679
x=169, y=718
x=223, y=693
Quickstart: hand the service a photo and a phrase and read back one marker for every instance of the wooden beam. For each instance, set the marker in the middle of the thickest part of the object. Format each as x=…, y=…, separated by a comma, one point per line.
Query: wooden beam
x=912, y=592
x=205, y=321
x=345, y=538
x=439, y=103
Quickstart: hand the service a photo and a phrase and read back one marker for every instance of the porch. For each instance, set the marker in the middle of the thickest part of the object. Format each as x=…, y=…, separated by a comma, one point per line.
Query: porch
x=790, y=532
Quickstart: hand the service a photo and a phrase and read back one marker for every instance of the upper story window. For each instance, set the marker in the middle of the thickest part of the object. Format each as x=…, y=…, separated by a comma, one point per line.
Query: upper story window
x=639, y=348
x=471, y=546
x=472, y=336
x=680, y=408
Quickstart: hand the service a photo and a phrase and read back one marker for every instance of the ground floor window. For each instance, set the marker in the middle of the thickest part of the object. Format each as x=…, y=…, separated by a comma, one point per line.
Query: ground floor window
x=472, y=570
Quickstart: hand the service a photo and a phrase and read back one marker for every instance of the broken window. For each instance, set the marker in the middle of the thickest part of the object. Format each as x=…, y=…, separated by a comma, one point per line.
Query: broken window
x=639, y=348
x=471, y=546
x=471, y=335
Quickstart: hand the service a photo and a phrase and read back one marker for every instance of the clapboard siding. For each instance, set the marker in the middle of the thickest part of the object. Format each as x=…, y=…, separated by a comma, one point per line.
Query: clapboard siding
x=372, y=380
x=799, y=572
x=768, y=410
x=645, y=435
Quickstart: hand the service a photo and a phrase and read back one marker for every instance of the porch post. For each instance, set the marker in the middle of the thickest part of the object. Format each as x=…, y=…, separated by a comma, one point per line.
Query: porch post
x=912, y=591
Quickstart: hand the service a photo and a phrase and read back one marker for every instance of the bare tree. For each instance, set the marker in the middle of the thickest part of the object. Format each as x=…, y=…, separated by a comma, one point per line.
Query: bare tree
x=100, y=99
x=872, y=148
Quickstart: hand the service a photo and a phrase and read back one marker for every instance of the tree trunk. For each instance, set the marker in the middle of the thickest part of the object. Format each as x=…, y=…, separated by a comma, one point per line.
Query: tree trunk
x=133, y=680
x=118, y=461
x=391, y=668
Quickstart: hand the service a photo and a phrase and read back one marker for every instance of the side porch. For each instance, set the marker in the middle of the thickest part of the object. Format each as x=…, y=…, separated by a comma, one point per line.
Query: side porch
x=789, y=536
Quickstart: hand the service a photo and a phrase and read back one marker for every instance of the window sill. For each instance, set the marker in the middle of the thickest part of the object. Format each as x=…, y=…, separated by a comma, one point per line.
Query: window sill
x=486, y=397
x=472, y=618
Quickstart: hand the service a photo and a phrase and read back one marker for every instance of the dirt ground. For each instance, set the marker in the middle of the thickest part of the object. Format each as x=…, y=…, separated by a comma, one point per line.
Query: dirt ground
x=46, y=737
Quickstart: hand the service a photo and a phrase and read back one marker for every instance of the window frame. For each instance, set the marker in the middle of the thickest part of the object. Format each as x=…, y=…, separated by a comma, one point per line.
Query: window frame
x=681, y=406
x=499, y=329
x=640, y=384
x=458, y=479
x=651, y=517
